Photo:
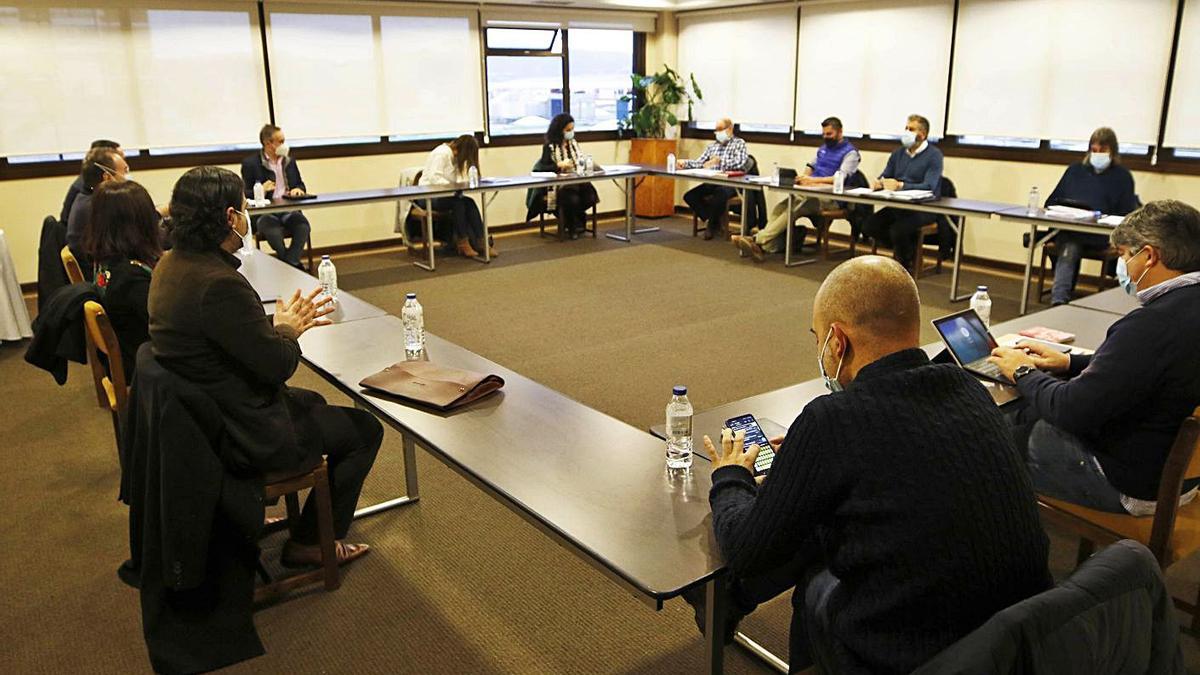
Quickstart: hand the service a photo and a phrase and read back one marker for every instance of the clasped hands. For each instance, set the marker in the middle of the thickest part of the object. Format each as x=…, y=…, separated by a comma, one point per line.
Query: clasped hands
x=270, y=185
x=1040, y=356
x=303, y=312
x=886, y=184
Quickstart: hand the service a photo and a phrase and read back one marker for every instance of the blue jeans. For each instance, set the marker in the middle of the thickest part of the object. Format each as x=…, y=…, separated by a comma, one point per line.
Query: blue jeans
x=1062, y=467
x=1071, y=246
x=275, y=226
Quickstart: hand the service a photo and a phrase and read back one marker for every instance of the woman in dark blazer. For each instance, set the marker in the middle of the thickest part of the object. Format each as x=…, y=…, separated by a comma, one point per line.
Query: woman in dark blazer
x=560, y=153
x=122, y=239
x=208, y=326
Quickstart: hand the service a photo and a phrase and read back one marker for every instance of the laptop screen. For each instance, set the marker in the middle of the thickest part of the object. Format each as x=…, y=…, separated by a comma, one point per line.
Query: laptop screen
x=966, y=336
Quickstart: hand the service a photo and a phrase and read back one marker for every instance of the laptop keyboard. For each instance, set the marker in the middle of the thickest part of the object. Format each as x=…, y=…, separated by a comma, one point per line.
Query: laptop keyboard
x=988, y=368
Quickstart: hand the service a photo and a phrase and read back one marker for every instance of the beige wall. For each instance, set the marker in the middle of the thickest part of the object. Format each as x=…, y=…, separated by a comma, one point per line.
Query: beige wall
x=24, y=203
x=982, y=179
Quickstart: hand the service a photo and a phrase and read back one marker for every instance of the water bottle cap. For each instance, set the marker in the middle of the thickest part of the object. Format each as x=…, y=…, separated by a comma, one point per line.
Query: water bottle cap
x=981, y=288
x=411, y=296
x=324, y=257
x=680, y=390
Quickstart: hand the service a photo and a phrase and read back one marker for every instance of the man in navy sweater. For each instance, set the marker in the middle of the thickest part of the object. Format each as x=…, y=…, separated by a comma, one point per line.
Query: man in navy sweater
x=1100, y=437
x=915, y=166
x=1098, y=183
x=902, y=490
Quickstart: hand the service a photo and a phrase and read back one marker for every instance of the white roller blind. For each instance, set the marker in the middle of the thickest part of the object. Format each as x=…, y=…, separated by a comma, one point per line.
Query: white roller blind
x=147, y=74
x=1060, y=68
x=1183, y=116
x=368, y=70
x=744, y=61
x=873, y=64
x=642, y=22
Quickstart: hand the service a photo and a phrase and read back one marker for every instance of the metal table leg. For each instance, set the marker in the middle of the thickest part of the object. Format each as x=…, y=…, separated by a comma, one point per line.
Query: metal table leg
x=1034, y=243
x=787, y=241
x=487, y=249
x=761, y=652
x=630, y=215
x=428, y=237
x=714, y=623
x=412, y=493
x=958, y=247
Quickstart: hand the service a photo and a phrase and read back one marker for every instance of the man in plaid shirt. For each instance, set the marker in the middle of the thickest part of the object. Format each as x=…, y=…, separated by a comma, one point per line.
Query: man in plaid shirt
x=725, y=154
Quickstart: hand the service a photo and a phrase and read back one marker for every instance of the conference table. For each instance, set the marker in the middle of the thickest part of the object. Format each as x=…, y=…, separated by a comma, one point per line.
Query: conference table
x=1113, y=301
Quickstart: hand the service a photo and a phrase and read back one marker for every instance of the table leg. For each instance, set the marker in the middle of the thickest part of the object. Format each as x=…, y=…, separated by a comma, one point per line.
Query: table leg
x=959, y=236
x=761, y=652
x=487, y=250
x=428, y=237
x=412, y=493
x=714, y=622
x=1033, y=244
x=630, y=215
x=787, y=240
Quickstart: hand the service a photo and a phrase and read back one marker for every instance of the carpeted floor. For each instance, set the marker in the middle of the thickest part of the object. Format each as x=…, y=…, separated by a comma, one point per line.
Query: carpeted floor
x=456, y=584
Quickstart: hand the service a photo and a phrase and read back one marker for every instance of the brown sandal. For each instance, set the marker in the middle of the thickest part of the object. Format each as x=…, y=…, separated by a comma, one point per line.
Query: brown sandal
x=296, y=555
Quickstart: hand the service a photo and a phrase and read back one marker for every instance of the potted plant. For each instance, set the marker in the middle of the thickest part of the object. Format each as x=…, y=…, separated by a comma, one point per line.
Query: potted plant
x=657, y=97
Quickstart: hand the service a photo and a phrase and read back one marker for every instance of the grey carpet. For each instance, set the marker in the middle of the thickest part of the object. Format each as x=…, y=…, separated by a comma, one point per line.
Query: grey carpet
x=456, y=584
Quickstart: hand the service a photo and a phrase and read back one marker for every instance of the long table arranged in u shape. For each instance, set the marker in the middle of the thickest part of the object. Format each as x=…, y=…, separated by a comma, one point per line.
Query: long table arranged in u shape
x=594, y=484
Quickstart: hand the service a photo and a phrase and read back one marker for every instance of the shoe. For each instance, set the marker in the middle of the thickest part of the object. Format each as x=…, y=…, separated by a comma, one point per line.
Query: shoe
x=708, y=235
x=465, y=250
x=751, y=247
x=697, y=598
x=295, y=556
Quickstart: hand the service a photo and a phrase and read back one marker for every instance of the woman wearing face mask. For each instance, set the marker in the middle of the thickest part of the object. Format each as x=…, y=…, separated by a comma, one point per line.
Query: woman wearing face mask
x=451, y=163
x=1098, y=183
x=560, y=153
x=208, y=326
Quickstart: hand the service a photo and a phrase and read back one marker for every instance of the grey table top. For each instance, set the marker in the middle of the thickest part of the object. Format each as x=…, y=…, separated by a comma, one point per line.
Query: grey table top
x=592, y=481
x=353, y=197
x=272, y=278
x=948, y=205
x=1114, y=301
x=1044, y=219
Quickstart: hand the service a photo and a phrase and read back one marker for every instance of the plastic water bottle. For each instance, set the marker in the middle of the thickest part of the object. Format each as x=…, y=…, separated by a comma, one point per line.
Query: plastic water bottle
x=260, y=194
x=671, y=162
x=679, y=430
x=589, y=166
x=473, y=177
x=981, y=302
x=839, y=182
x=1035, y=201
x=413, y=318
x=775, y=173
x=327, y=274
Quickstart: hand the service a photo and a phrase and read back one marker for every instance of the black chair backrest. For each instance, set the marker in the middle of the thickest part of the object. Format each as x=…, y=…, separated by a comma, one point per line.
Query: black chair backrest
x=751, y=165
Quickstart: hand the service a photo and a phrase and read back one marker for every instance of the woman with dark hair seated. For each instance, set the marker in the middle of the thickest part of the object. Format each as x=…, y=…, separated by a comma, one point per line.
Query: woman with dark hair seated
x=122, y=240
x=451, y=163
x=208, y=326
x=561, y=153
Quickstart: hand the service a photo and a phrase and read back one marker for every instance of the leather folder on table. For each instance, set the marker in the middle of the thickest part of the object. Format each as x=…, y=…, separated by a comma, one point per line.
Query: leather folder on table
x=429, y=384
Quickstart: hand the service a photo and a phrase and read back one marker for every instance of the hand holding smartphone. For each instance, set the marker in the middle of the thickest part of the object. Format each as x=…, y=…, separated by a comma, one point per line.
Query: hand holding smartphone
x=754, y=434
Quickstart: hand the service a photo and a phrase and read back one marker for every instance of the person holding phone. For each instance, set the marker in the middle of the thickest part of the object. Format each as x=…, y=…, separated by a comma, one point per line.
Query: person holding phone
x=274, y=167
x=895, y=546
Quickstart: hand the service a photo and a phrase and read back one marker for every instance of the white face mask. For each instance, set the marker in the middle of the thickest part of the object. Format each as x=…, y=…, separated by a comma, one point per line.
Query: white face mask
x=723, y=136
x=908, y=139
x=568, y=135
x=831, y=383
x=283, y=150
x=1100, y=160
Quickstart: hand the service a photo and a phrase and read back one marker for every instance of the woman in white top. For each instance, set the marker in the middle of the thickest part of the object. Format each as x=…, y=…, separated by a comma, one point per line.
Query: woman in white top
x=561, y=151
x=449, y=163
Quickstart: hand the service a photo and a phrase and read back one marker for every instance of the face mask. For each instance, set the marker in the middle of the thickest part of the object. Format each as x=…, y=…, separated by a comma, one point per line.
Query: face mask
x=1100, y=160
x=568, y=135
x=908, y=139
x=1128, y=284
x=283, y=150
x=722, y=136
x=831, y=383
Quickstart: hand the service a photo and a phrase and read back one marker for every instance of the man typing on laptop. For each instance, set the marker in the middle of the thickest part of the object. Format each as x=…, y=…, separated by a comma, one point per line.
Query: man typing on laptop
x=1100, y=437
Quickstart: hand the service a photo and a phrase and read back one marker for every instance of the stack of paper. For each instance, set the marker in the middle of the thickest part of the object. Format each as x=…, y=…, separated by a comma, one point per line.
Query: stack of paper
x=1069, y=212
x=543, y=174
x=1112, y=220
x=705, y=173
x=910, y=195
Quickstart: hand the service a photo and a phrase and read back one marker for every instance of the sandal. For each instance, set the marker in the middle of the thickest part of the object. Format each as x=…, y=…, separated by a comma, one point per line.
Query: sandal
x=296, y=555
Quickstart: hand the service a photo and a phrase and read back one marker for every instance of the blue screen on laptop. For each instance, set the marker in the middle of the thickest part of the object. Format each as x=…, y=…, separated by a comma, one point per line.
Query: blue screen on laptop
x=966, y=336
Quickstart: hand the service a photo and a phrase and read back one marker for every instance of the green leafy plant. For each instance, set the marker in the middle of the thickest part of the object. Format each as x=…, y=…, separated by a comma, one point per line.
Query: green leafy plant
x=656, y=98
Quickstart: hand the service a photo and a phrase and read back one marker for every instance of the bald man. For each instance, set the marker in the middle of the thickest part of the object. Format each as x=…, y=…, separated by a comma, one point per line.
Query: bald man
x=898, y=506
x=726, y=153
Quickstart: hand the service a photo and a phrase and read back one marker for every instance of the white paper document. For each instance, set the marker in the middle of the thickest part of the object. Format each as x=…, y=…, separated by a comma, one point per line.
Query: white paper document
x=620, y=167
x=705, y=173
x=1112, y=220
x=901, y=195
x=543, y=174
x=1069, y=212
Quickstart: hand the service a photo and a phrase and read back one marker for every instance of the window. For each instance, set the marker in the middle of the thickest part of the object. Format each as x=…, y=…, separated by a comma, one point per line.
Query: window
x=1001, y=141
x=529, y=81
x=1059, y=69
x=601, y=62
x=1182, y=130
x=1187, y=153
x=1130, y=149
x=127, y=72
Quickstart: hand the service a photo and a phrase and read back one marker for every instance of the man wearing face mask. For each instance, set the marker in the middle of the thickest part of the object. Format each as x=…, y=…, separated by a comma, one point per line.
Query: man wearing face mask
x=100, y=165
x=835, y=154
x=897, y=507
x=1098, y=183
x=1100, y=435
x=916, y=165
x=279, y=175
x=727, y=153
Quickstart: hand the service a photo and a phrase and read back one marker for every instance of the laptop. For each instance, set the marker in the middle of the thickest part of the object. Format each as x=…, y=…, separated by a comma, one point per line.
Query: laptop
x=970, y=344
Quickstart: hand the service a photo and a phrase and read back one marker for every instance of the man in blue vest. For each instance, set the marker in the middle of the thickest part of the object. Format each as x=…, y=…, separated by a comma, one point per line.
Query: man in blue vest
x=835, y=154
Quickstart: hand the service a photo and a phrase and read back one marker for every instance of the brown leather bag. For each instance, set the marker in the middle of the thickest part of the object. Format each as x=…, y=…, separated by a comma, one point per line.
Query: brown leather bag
x=432, y=385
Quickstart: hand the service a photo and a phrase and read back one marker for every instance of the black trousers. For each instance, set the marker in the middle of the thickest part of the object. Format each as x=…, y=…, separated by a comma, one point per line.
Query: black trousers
x=349, y=438
x=468, y=223
x=573, y=202
x=897, y=229
x=708, y=202
x=275, y=226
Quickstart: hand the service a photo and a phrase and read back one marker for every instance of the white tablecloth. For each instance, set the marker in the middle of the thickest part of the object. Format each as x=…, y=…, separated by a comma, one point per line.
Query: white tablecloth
x=14, y=315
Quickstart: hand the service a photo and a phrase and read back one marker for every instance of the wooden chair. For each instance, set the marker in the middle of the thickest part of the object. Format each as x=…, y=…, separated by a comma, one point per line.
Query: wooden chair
x=561, y=233
x=71, y=265
x=102, y=338
x=918, y=264
x=851, y=213
x=443, y=228
x=733, y=206
x=1171, y=535
x=288, y=485
x=1107, y=256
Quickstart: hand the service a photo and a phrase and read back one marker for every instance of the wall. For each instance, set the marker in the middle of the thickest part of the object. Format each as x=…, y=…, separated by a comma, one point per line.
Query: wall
x=24, y=203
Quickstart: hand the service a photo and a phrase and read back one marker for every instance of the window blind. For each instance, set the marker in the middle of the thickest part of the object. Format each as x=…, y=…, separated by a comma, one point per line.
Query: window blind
x=1184, y=109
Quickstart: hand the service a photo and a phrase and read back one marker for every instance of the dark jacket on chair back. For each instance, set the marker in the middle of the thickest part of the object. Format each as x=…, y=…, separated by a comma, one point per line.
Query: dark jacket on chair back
x=51, y=275
x=58, y=331
x=207, y=325
x=193, y=525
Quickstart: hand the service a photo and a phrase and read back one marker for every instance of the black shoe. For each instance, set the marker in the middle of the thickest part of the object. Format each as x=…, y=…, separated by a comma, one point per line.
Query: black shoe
x=708, y=235
x=697, y=598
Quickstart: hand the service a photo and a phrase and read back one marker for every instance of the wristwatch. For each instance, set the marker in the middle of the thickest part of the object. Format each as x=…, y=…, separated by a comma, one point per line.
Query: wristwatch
x=1022, y=371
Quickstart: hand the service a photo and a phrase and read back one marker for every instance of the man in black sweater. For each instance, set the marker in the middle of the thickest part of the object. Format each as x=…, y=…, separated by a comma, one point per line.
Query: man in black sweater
x=1100, y=437
x=903, y=488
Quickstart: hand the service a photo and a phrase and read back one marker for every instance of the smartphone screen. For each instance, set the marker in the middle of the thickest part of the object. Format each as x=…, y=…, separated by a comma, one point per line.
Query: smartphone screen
x=754, y=434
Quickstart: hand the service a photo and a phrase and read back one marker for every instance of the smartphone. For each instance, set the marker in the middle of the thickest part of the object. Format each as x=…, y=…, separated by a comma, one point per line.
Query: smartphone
x=754, y=434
